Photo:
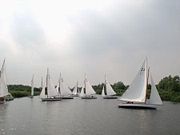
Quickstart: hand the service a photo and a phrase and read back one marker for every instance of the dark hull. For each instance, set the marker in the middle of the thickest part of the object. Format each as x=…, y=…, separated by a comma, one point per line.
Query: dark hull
x=110, y=97
x=51, y=99
x=88, y=97
x=137, y=106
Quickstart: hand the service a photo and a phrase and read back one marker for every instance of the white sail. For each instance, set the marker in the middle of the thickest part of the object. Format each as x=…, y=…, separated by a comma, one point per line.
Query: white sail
x=88, y=88
x=41, y=82
x=103, y=92
x=75, y=91
x=63, y=87
x=50, y=87
x=32, y=86
x=137, y=90
x=82, y=92
x=3, y=83
x=42, y=94
x=154, y=96
x=109, y=89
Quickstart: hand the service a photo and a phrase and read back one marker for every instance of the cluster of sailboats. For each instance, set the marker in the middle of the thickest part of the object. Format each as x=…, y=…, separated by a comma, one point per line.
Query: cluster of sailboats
x=62, y=91
x=134, y=97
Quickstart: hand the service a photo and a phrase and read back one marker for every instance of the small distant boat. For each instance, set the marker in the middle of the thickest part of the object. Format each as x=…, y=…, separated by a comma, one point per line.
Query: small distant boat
x=32, y=87
x=63, y=90
x=136, y=95
x=49, y=93
x=87, y=92
x=110, y=93
x=75, y=91
x=4, y=94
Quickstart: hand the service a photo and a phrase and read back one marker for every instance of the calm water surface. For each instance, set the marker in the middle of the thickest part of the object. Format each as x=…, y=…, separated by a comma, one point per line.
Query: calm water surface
x=27, y=116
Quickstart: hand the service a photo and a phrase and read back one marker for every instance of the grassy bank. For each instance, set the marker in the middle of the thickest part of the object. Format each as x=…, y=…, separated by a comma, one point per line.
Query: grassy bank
x=22, y=90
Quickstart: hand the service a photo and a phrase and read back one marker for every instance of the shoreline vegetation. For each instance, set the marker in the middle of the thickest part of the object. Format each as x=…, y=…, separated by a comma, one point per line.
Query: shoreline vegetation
x=168, y=88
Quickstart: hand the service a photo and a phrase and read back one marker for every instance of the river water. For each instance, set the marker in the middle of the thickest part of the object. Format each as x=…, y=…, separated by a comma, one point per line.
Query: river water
x=26, y=116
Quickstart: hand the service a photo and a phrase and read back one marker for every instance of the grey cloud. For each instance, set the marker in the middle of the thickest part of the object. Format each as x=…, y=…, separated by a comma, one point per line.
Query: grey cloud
x=27, y=32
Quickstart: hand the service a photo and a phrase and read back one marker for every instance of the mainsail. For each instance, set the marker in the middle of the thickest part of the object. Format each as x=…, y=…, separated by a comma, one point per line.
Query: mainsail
x=82, y=92
x=51, y=91
x=3, y=83
x=103, y=92
x=109, y=89
x=137, y=90
x=88, y=88
x=42, y=94
x=64, y=90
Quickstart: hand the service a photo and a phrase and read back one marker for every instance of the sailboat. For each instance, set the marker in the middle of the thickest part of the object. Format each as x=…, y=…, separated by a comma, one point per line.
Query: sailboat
x=32, y=87
x=75, y=91
x=3, y=85
x=49, y=93
x=136, y=95
x=87, y=91
x=63, y=89
x=109, y=94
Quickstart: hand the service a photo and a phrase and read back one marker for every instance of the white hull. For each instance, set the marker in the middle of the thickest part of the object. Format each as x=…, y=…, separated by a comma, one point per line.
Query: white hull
x=137, y=106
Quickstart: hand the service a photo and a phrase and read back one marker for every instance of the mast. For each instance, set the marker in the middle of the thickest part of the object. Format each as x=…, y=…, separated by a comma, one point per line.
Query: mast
x=147, y=84
x=59, y=88
x=32, y=86
x=47, y=82
x=85, y=80
x=105, y=87
x=41, y=82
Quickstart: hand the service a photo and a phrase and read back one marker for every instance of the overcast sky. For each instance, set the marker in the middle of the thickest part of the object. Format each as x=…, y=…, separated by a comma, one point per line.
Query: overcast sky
x=95, y=37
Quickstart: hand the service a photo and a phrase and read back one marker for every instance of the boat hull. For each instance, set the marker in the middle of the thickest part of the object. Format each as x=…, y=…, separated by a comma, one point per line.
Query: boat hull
x=31, y=96
x=110, y=97
x=88, y=97
x=67, y=97
x=137, y=106
x=51, y=99
x=2, y=100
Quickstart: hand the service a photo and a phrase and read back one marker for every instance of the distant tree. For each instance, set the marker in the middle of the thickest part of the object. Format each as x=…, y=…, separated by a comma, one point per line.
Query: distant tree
x=119, y=88
x=170, y=83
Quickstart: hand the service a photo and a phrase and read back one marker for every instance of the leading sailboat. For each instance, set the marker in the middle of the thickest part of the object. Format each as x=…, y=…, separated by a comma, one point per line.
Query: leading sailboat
x=135, y=96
